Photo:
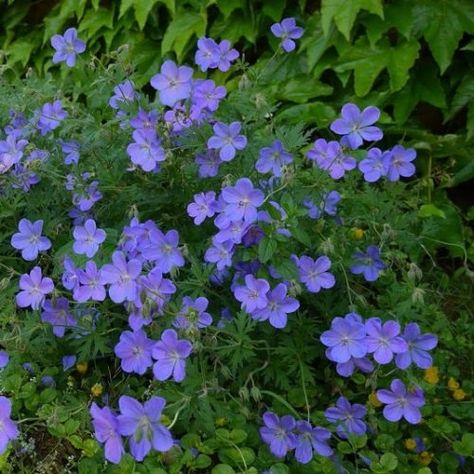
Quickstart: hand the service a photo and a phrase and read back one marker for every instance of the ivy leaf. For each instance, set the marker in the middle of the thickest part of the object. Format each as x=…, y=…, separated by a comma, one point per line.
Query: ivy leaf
x=93, y=21
x=125, y=5
x=274, y=9
x=344, y=13
x=464, y=95
x=142, y=10
x=181, y=30
x=368, y=63
x=443, y=23
x=20, y=51
x=425, y=87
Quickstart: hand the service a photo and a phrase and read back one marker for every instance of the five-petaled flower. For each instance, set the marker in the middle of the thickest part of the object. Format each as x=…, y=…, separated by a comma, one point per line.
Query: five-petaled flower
x=67, y=47
x=29, y=240
x=287, y=31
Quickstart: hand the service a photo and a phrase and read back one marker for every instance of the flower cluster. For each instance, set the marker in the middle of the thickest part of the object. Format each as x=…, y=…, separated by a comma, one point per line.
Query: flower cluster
x=139, y=423
x=286, y=434
x=350, y=341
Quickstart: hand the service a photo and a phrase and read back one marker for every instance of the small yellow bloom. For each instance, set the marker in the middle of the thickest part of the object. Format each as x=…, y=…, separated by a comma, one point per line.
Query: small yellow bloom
x=432, y=375
x=374, y=401
x=82, y=367
x=221, y=421
x=97, y=390
x=453, y=384
x=459, y=394
x=425, y=458
x=358, y=233
x=410, y=444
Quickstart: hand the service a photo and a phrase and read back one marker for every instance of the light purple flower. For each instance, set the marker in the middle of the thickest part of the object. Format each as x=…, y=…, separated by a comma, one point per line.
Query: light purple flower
x=51, y=115
x=314, y=273
x=71, y=150
x=134, y=351
x=208, y=164
x=368, y=263
x=163, y=250
x=227, y=140
x=278, y=433
x=220, y=254
x=8, y=429
x=106, y=429
x=157, y=288
x=70, y=276
x=253, y=295
x=287, y=31
x=142, y=424
x=69, y=361
x=278, y=307
x=146, y=151
x=202, y=207
x=88, y=238
x=145, y=121
x=4, y=359
x=207, y=95
x=418, y=345
x=67, y=47
x=170, y=354
x=34, y=288
x=173, y=83
x=193, y=314
x=401, y=403
x=357, y=126
x=29, y=239
x=384, y=340
x=207, y=55
x=346, y=339
x=124, y=93
x=242, y=201
x=226, y=55
x=122, y=275
x=273, y=158
x=11, y=152
x=328, y=204
x=56, y=312
x=398, y=162
x=311, y=439
x=90, y=285
x=373, y=166
x=347, y=417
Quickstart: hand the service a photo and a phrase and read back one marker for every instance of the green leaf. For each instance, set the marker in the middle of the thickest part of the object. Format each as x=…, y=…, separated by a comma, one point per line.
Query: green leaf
x=125, y=6
x=443, y=23
x=430, y=210
x=142, y=9
x=301, y=89
x=266, y=249
x=464, y=95
x=93, y=21
x=465, y=447
x=181, y=30
x=470, y=121
x=20, y=51
x=227, y=7
x=343, y=12
x=222, y=469
x=274, y=9
x=368, y=63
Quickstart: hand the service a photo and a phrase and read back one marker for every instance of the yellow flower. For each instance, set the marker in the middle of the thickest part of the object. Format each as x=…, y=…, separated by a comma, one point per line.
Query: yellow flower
x=374, y=401
x=432, y=375
x=221, y=421
x=358, y=233
x=81, y=367
x=453, y=384
x=425, y=458
x=459, y=394
x=97, y=390
x=410, y=444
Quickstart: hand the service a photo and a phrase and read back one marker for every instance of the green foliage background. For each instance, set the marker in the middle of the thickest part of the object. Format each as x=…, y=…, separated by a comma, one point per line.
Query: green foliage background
x=415, y=60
